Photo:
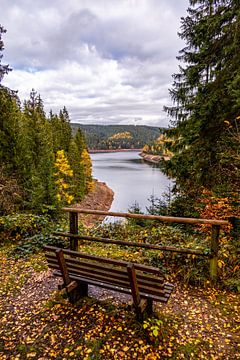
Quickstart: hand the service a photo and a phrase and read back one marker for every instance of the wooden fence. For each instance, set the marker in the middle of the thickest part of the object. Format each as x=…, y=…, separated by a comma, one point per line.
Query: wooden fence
x=214, y=243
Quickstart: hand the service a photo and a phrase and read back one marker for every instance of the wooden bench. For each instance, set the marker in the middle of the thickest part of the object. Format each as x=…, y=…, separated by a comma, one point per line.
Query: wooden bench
x=145, y=283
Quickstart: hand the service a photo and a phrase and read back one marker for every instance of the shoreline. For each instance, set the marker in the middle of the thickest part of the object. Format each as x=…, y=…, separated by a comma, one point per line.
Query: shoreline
x=100, y=198
x=155, y=159
x=93, y=151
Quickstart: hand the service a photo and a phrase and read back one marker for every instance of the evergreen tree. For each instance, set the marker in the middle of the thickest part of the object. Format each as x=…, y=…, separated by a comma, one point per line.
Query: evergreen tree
x=9, y=129
x=80, y=141
x=205, y=94
x=41, y=164
x=61, y=130
x=65, y=129
x=4, y=69
x=87, y=165
x=79, y=180
x=37, y=137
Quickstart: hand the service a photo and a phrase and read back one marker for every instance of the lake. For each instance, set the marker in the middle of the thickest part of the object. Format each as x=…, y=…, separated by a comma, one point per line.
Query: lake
x=132, y=179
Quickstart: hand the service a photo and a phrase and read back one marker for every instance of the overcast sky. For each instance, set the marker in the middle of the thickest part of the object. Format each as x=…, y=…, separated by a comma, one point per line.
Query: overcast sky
x=107, y=61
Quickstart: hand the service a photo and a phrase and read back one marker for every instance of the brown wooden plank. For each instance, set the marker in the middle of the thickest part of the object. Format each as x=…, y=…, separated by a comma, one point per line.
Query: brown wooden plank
x=96, y=283
x=142, y=276
x=151, y=290
x=170, y=219
x=121, y=274
x=94, y=265
x=91, y=268
x=133, y=284
x=104, y=275
x=95, y=276
x=120, y=263
x=162, y=299
x=148, y=287
x=62, y=266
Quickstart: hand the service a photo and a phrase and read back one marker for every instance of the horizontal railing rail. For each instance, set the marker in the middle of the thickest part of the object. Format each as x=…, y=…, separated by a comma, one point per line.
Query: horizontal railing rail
x=216, y=225
x=170, y=219
x=131, y=243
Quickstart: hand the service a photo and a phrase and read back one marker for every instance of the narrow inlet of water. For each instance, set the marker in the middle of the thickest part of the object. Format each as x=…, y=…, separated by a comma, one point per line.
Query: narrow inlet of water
x=132, y=179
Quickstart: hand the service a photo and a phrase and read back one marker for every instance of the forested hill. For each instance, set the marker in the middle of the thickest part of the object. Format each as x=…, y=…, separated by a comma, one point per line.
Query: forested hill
x=107, y=137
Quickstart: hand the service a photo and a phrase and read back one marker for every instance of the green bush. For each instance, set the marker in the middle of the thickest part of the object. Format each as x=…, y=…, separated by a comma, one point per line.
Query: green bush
x=18, y=226
x=35, y=244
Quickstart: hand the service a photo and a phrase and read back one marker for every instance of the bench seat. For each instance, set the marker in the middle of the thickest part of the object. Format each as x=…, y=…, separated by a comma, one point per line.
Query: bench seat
x=78, y=270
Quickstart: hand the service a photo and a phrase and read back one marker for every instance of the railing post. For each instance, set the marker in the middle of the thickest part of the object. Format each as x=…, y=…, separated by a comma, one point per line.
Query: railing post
x=214, y=253
x=235, y=227
x=73, y=220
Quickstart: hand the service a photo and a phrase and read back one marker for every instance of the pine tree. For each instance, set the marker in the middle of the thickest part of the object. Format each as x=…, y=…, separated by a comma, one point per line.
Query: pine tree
x=205, y=94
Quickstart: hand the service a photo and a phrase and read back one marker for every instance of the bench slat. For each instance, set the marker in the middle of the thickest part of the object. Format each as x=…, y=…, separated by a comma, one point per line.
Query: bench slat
x=142, y=277
x=88, y=273
x=120, y=263
x=146, y=288
x=120, y=274
x=107, y=278
x=90, y=281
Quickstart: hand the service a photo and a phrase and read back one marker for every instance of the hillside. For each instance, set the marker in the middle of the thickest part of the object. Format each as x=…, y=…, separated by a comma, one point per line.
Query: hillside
x=107, y=137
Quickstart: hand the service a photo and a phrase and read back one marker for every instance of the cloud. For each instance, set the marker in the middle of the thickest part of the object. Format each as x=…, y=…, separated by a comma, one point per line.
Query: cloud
x=106, y=60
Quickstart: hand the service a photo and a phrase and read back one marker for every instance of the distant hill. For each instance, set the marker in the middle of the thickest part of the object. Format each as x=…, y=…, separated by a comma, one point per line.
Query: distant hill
x=111, y=137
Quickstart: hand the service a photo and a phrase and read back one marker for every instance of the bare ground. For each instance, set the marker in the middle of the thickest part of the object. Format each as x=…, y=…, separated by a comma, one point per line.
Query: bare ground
x=100, y=198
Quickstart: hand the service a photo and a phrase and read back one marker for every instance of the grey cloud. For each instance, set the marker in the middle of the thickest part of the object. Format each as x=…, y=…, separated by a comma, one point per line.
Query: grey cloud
x=108, y=60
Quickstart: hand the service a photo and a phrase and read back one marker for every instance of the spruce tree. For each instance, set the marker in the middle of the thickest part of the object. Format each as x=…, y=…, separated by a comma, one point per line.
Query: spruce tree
x=205, y=94
x=61, y=130
x=79, y=179
x=38, y=172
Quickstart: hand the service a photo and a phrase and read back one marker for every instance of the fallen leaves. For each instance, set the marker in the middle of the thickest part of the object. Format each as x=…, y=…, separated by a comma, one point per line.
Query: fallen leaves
x=197, y=323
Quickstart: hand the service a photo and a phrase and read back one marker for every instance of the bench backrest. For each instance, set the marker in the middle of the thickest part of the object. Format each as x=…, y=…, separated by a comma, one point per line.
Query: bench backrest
x=109, y=273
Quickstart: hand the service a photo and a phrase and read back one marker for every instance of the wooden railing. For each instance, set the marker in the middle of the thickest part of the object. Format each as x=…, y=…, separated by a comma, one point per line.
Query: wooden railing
x=214, y=243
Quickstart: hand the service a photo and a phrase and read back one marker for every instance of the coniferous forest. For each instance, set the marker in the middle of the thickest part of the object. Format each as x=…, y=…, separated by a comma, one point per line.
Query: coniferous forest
x=43, y=166
x=112, y=137
x=203, y=140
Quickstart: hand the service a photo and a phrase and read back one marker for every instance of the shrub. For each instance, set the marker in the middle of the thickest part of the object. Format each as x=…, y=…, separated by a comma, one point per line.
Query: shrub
x=19, y=226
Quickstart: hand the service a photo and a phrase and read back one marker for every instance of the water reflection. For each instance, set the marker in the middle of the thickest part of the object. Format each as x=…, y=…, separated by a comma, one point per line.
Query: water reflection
x=131, y=179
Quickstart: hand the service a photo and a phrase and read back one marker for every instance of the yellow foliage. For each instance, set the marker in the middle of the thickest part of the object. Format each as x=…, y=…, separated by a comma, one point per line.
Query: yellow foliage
x=87, y=165
x=122, y=135
x=63, y=176
x=62, y=165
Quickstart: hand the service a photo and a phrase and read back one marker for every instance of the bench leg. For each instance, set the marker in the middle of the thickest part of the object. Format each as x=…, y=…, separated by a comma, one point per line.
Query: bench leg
x=145, y=308
x=149, y=307
x=139, y=314
x=78, y=293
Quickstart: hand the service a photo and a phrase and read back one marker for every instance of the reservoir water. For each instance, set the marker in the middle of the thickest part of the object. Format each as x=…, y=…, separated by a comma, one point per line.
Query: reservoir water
x=132, y=179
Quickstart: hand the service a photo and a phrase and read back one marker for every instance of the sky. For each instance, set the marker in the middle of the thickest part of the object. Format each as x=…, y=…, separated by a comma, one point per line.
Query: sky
x=107, y=61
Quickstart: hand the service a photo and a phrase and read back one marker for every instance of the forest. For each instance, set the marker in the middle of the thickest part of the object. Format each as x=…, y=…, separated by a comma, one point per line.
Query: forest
x=203, y=140
x=45, y=165
x=103, y=137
